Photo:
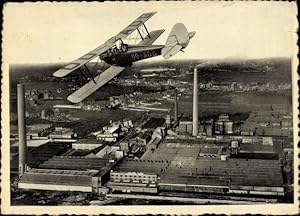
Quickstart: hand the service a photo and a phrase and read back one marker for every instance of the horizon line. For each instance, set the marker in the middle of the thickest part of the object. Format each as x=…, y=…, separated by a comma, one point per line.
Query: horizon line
x=167, y=60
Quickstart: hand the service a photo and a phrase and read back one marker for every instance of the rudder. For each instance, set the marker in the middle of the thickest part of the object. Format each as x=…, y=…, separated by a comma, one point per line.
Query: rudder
x=178, y=39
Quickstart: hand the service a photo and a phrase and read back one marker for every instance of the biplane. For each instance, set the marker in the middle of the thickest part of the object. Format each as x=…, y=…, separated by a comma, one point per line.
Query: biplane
x=120, y=55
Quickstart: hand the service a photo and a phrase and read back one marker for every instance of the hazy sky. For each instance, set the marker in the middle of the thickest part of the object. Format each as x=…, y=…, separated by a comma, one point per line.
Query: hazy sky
x=61, y=32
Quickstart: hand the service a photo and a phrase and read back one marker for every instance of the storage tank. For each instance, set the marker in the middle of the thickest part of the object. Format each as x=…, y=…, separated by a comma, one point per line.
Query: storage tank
x=201, y=129
x=219, y=127
x=234, y=147
x=189, y=128
x=208, y=130
x=228, y=127
x=234, y=144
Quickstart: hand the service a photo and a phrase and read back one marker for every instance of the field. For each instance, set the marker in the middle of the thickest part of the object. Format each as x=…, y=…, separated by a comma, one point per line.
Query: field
x=92, y=121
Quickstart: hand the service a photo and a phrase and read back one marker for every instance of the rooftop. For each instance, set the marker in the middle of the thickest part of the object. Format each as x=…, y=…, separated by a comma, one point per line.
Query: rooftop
x=89, y=141
x=186, y=166
x=74, y=163
x=153, y=123
x=209, y=150
x=61, y=179
x=256, y=147
x=252, y=172
x=37, y=155
x=145, y=166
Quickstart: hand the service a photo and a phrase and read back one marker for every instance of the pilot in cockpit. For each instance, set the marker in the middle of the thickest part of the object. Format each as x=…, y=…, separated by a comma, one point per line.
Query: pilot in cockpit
x=121, y=46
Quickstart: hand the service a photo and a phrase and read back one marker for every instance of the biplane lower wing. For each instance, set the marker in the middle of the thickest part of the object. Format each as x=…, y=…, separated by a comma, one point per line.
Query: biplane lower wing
x=153, y=37
x=91, y=86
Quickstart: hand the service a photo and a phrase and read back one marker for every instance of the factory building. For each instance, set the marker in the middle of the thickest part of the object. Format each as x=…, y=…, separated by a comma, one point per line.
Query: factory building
x=156, y=137
x=67, y=173
x=210, y=152
x=136, y=176
x=57, y=180
x=141, y=139
x=233, y=176
x=195, y=166
x=110, y=134
x=63, y=133
x=38, y=130
x=152, y=124
x=113, y=132
x=87, y=144
x=268, y=123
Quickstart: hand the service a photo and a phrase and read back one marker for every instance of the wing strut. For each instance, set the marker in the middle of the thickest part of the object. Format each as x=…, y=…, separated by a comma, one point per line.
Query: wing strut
x=89, y=73
x=85, y=79
x=91, y=87
x=140, y=33
x=146, y=30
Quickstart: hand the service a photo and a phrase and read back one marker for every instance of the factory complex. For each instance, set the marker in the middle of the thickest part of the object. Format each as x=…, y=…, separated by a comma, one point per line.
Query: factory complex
x=171, y=155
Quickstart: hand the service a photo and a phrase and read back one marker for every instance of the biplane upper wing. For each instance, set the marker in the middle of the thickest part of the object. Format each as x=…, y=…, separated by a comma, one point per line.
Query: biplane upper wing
x=134, y=25
x=92, y=86
x=103, y=48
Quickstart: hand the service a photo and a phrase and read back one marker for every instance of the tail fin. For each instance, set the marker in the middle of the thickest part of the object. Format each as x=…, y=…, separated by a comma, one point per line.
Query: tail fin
x=178, y=39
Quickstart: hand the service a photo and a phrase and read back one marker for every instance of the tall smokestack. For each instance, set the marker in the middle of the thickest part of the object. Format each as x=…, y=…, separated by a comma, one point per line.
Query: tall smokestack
x=176, y=107
x=22, y=129
x=195, y=103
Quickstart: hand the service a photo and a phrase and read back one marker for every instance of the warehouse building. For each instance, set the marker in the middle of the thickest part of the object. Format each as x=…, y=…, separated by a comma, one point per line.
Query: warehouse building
x=67, y=173
x=61, y=180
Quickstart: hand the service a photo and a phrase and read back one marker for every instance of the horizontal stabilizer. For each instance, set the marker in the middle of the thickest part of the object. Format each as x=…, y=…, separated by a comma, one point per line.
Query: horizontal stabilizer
x=192, y=34
x=153, y=37
x=91, y=86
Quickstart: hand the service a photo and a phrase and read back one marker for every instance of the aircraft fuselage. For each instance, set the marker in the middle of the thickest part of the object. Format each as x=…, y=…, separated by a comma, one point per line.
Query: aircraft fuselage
x=134, y=53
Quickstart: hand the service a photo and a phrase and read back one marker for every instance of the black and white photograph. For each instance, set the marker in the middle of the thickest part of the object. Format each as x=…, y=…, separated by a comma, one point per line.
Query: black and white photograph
x=149, y=108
